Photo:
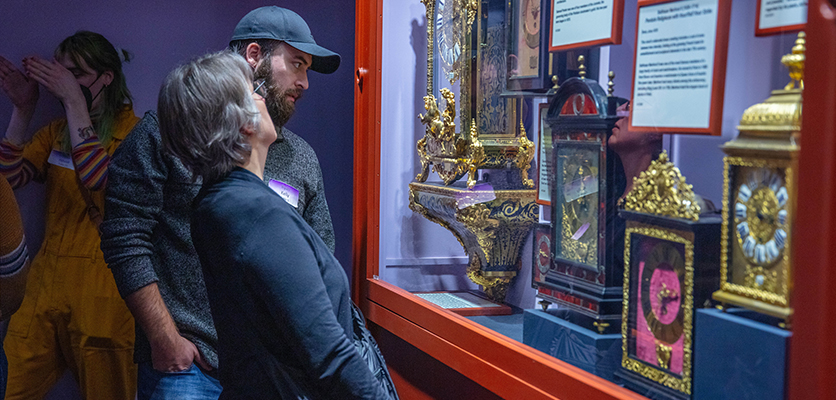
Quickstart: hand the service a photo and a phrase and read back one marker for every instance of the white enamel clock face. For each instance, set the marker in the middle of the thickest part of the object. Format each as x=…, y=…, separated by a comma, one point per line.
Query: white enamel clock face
x=448, y=33
x=760, y=216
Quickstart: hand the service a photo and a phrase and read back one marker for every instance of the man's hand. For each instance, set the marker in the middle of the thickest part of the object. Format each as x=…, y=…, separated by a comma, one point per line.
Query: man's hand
x=22, y=91
x=175, y=355
x=170, y=352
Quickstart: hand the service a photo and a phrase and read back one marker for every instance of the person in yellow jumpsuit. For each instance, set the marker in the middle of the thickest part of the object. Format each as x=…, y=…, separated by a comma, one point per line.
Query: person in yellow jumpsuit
x=72, y=316
x=14, y=267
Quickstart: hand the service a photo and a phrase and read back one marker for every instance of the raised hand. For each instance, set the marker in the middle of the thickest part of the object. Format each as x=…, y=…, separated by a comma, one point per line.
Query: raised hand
x=22, y=91
x=55, y=78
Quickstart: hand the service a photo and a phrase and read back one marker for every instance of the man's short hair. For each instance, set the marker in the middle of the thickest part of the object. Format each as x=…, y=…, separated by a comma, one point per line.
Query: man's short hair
x=202, y=107
x=267, y=46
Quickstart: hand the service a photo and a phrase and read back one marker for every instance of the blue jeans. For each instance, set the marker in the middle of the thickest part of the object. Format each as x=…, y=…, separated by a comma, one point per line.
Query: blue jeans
x=191, y=384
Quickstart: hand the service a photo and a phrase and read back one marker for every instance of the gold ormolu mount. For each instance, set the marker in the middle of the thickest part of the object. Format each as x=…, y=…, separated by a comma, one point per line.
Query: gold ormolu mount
x=795, y=62
x=453, y=156
x=661, y=190
x=491, y=225
x=441, y=146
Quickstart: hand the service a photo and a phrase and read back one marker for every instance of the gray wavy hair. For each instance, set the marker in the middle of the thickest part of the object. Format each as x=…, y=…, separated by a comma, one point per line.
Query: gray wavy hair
x=202, y=107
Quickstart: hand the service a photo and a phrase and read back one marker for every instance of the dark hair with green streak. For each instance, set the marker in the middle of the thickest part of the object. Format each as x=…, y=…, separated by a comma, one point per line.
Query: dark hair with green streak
x=100, y=55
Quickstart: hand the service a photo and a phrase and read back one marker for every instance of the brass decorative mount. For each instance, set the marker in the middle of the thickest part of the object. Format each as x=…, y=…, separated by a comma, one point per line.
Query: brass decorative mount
x=661, y=190
x=795, y=62
x=602, y=326
x=491, y=225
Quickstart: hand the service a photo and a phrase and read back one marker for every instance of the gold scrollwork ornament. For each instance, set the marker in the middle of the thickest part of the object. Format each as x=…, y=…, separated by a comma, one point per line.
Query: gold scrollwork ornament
x=661, y=190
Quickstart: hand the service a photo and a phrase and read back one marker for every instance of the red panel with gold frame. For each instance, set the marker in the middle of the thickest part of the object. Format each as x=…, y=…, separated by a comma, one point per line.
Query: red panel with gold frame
x=718, y=79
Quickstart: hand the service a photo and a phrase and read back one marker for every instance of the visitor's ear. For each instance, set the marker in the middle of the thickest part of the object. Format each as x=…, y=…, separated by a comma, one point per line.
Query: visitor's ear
x=107, y=77
x=253, y=54
x=248, y=130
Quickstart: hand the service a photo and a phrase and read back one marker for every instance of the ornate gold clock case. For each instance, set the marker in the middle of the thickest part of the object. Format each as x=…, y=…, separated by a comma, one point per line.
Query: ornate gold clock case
x=759, y=199
x=443, y=146
x=474, y=128
x=671, y=258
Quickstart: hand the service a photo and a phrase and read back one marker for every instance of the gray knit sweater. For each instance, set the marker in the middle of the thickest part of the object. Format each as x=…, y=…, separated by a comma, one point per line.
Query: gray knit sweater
x=146, y=236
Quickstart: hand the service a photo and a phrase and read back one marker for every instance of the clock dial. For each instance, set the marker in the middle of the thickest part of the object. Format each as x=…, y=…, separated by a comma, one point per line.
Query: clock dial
x=543, y=256
x=578, y=183
x=760, y=216
x=448, y=37
x=531, y=23
x=662, y=283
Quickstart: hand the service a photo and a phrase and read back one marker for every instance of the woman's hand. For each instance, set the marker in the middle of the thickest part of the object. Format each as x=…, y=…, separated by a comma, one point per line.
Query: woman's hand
x=55, y=78
x=22, y=91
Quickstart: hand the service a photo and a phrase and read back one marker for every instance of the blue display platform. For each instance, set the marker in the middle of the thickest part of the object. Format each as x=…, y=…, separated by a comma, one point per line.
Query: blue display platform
x=739, y=357
x=585, y=349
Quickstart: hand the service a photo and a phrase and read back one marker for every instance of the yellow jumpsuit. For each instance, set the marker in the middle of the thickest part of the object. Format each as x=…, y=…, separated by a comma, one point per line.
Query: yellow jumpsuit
x=72, y=315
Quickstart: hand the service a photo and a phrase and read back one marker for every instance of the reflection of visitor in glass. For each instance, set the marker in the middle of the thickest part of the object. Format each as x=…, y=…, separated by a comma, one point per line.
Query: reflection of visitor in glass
x=635, y=149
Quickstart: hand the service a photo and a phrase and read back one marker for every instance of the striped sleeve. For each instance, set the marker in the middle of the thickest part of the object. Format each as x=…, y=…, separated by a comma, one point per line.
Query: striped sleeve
x=12, y=165
x=13, y=262
x=91, y=162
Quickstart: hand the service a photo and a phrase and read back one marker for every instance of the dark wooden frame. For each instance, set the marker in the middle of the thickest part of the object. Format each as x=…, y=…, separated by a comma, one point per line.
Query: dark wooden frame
x=542, y=81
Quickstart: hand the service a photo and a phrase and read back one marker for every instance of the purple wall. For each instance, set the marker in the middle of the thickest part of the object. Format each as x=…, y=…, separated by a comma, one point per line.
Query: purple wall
x=162, y=34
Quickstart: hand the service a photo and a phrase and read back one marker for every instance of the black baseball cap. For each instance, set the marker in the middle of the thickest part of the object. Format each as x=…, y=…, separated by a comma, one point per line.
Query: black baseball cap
x=284, y=25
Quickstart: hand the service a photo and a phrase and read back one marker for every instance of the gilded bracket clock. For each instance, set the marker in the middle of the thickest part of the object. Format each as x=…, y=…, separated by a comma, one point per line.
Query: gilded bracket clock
x=759, y=199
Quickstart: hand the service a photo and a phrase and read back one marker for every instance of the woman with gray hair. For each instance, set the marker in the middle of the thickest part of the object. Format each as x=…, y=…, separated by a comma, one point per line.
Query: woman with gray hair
x=280, y=300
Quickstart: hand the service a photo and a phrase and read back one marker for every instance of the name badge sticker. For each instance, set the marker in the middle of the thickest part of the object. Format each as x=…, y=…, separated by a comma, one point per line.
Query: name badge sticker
x=61, y=159
x=287, y=192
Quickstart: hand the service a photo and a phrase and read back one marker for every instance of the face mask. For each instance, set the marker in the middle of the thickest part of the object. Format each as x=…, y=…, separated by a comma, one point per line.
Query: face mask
x=88, y=96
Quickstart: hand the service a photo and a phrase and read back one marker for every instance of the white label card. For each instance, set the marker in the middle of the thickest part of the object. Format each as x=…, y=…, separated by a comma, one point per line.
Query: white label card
x=285, y=191
x=61, y=159
x=777, y=13
x=675, y=64
x=545, y=168
x=579, y=21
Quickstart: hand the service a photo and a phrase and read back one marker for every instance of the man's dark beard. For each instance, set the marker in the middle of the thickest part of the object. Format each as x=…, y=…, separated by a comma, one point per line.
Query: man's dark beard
x=278, y=105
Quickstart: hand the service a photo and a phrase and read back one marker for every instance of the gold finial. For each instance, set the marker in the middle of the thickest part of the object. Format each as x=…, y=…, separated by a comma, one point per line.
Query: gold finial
x=582, y=67
x=610, y=84
x=662, y=190
x=554, y=80
x=602, y=326
x=795, y=62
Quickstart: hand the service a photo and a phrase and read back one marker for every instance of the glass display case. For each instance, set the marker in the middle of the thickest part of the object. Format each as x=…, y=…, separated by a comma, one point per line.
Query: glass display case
x=500, y=269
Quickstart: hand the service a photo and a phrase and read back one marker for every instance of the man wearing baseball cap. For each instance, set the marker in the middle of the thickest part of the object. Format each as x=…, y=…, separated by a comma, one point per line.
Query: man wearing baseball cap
x=278, y=45
x=146, y=237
